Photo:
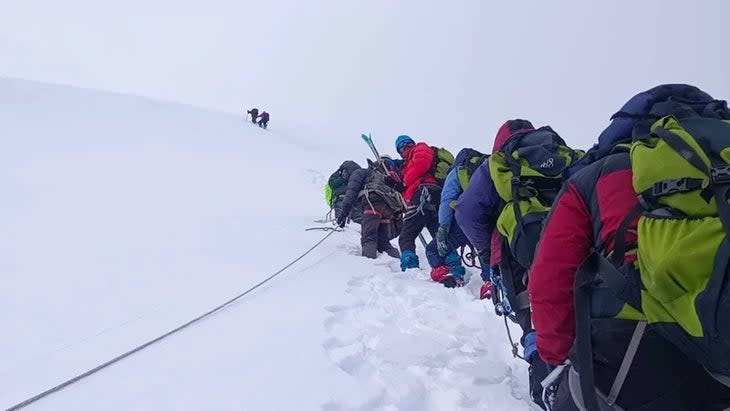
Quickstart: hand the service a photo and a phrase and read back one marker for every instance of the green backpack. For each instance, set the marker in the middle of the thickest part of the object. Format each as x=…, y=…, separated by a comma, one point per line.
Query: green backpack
x=528, y=174
x=467, y=161
x=443, y=160
x=328, y=194
x=681, y=170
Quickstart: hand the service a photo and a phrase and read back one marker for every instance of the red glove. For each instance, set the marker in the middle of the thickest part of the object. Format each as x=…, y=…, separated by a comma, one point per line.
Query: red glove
x=439, y=273
x=485, y=292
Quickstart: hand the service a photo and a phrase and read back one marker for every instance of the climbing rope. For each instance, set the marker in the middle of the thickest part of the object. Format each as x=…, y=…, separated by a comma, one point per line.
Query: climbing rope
x=514, y=346
x=324, y=228
x=114, y=360
x=504, y=308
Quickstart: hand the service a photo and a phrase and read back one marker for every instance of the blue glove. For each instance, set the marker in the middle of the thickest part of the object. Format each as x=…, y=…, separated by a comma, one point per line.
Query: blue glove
x=441, y=240
x=408, y=259
x=529, y=341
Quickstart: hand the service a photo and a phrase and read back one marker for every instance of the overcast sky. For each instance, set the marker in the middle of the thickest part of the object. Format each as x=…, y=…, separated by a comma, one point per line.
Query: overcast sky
x=447, y=71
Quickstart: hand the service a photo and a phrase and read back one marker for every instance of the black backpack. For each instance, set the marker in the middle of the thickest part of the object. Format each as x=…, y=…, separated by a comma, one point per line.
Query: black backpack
x=380, y=184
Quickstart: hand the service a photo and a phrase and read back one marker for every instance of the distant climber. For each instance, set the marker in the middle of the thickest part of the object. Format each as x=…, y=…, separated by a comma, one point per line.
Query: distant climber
x=263, y=119
x=254, y=112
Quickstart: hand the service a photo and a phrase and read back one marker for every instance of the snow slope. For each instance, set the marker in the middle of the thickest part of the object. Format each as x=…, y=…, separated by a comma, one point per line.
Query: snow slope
x=124, y=217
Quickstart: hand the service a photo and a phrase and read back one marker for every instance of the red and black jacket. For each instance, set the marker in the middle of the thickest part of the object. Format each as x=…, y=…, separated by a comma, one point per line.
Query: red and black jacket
x=585, y=216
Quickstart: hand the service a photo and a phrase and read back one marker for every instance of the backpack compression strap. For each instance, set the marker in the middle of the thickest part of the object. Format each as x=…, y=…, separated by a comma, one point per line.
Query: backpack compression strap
x=584, y=280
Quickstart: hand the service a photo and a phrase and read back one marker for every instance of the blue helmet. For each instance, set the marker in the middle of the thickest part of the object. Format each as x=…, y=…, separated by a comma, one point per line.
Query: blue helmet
x=403, y=141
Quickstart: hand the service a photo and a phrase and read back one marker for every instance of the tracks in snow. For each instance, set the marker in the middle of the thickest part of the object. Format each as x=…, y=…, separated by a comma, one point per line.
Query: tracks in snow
x=414, y=345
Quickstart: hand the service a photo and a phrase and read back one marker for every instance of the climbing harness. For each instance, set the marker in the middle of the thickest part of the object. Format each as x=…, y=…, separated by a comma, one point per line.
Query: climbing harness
x=424, y=200
x=504, y=308
x=470, y=257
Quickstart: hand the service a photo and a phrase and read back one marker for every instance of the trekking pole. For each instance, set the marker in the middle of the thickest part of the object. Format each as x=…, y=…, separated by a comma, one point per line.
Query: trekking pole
x=369, y=141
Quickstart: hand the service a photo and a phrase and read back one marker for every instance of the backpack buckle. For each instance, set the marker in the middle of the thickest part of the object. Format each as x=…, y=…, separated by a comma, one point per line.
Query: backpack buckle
x=720, y=175
x=682, y=185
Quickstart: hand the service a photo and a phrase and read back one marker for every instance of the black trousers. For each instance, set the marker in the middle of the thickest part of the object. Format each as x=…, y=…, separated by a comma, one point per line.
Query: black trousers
x=375, y=227
x=661, y=377
x=416, y=220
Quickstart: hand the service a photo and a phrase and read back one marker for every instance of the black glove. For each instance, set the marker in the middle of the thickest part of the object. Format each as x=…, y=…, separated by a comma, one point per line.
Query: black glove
x=342, y=220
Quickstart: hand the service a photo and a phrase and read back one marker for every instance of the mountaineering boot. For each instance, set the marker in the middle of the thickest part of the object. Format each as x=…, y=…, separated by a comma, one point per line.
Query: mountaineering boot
x=442, y=274
x=456, y=271
x=408, y=259
x=384, y=245
x=452, y=281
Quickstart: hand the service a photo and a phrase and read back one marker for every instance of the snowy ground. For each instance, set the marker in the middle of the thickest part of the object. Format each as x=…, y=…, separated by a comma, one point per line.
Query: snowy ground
x=125, y=217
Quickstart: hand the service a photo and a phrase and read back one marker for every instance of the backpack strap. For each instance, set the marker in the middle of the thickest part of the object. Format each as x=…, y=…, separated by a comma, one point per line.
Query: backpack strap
x=623, y=371
x=583, y=346
x=719, y=175
x=516, y=183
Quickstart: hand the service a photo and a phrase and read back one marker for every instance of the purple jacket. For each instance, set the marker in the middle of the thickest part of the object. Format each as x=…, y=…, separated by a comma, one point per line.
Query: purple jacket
x=478, y=208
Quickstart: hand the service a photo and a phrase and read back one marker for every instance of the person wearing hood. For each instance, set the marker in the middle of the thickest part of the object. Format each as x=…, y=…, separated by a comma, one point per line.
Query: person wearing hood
x=372, y=191
x=479, y=206
x=254, y=112
x=476, y=214
x=337, y=187
x=587, y=217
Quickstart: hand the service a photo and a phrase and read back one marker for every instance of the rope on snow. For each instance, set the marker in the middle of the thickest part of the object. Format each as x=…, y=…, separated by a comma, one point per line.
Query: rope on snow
x=137, y=349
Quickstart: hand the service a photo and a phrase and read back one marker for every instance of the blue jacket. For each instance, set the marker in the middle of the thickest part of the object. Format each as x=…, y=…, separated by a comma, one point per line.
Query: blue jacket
x=450, y=192
x=478, y=208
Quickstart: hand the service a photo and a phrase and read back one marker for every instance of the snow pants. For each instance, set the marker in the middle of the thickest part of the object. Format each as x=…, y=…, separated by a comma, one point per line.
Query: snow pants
x=376, y=228
x=420, y=216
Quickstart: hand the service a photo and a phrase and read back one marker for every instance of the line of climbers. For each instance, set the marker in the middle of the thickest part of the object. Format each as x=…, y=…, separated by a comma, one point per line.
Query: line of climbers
x=263, y=118
x=615, y=262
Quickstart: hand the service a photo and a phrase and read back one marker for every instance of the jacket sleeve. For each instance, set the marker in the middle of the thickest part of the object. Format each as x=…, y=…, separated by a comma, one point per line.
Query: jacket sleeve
x=565, y=243
x=450, y=192
x=354, y=185
x=477, y=209
x=418, y=165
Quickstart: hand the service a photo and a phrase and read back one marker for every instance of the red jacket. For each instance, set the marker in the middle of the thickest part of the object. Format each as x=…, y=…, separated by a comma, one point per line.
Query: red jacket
x=417, y=169
x=586, y=214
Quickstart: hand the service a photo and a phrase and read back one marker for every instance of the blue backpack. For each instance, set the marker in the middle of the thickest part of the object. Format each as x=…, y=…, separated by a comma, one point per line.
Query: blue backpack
x=635, y=110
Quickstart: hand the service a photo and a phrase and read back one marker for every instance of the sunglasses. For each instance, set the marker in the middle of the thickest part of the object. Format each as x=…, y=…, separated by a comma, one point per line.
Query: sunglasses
x=404, y=146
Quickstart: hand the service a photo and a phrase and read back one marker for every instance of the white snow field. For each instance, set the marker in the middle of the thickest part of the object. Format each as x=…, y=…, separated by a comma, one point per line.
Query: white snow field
x=124, y=217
